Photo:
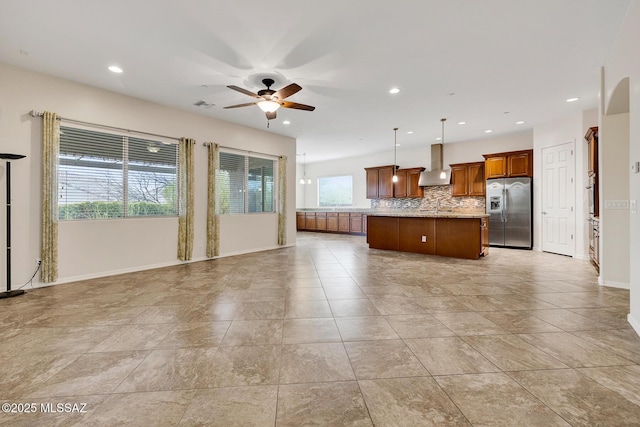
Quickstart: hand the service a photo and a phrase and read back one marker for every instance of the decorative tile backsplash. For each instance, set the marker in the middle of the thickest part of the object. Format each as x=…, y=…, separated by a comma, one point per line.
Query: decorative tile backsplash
x=428, y=201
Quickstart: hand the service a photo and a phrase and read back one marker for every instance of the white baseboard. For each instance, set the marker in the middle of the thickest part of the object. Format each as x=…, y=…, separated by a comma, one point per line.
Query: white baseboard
x=583, y=257
x=635, y=324
x=612, y=284
x=148, y=267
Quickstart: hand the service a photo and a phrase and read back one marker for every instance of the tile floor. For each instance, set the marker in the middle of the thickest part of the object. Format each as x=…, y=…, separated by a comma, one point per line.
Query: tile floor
x=327, y=333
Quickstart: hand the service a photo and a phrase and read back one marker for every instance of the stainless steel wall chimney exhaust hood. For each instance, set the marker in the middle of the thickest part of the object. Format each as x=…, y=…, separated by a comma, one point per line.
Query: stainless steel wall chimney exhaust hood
x=438, y=175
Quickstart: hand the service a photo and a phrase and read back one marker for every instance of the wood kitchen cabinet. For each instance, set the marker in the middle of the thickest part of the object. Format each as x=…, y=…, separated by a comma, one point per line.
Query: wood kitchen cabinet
x=407, y=185
x=380, y=182
x=459, y=237
x=344, y=223
x=511, y=164
x=467, y=179
x=332, y=222
x=321, y=221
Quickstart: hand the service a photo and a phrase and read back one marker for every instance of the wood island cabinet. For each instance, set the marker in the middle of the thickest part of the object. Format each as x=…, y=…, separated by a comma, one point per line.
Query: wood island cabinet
x=511, y=164
x=451, y=237
x=467, y=179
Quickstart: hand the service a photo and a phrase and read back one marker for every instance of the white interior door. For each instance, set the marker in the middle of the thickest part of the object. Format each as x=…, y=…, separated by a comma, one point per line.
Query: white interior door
x=558, y=200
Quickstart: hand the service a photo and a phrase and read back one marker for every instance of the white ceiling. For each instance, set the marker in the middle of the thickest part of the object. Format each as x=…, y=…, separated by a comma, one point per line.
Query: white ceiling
x=487, y=62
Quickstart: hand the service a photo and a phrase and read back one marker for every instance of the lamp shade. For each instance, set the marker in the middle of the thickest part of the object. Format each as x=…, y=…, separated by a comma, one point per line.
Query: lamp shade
x=268, y=106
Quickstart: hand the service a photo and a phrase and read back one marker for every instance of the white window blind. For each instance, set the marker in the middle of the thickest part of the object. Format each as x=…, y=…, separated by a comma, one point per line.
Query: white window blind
x=245, y=184
x=104, y=175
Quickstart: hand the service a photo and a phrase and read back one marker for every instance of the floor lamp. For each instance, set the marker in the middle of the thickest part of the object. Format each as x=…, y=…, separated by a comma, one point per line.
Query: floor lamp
x=9, y=293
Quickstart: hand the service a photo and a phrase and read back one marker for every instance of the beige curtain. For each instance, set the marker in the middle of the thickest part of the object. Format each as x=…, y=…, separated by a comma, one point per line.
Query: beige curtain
x=50, y=150
x=185, y=219
x=282, y=200
x=213, y=223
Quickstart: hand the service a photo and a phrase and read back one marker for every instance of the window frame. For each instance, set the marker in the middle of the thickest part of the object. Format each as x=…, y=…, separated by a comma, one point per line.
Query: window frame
x=247, y=155
x=124, y=200
x=333, y=176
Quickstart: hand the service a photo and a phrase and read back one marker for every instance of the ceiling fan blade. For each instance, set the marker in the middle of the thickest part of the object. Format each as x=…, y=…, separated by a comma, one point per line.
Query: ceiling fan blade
x=240, y=105
x=271, y=116
x=288, y=104
x=287, y=91
x=241, y=90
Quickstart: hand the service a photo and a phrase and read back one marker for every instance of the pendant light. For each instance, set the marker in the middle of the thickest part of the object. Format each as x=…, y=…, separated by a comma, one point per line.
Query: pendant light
x=443, y=174
x=305, y=179
x=395, y=145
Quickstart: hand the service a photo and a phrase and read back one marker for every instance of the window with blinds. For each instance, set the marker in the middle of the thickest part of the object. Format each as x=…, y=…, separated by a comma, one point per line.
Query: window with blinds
x=245, y=184
x=104, y=175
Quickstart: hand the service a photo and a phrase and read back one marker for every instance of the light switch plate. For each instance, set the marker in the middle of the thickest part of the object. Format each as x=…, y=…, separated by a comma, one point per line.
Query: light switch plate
x=635, y=167
x=616, y=204
x=633, y=206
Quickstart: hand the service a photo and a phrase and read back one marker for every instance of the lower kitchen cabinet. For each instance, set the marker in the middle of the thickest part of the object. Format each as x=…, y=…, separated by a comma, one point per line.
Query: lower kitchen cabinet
x=335, y=222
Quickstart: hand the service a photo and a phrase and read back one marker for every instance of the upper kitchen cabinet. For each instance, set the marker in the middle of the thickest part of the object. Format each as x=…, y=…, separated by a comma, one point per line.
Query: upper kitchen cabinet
x=407, y=185
x=467, y=179
x=380, y=182
x=511, y=164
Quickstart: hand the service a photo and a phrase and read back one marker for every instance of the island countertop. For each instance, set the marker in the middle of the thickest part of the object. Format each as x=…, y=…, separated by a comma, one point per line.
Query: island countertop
x=427, y=214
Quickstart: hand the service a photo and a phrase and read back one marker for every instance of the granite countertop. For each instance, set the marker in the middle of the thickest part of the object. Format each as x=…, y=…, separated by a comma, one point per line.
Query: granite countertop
x=428, y=214
x=408, y=213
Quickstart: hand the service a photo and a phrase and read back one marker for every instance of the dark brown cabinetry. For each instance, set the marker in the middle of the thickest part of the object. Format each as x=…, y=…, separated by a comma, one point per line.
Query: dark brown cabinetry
x=407, y=185
x=467, y=179
x=592, y=170
x=452, y=237
x=382, y=233
x=380, y=182
x=511, y=164
x=336, y=222
x=417, y=235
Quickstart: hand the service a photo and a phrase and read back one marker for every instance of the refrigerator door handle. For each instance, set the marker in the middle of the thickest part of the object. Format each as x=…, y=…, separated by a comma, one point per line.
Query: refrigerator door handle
x=504, y=205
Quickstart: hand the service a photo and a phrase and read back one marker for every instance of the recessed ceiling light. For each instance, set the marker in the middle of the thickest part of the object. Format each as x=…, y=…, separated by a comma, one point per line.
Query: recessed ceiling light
x=488, y=131
x=462, y=123
x=394, y=90
x=286, y=122
x=520, y=122
x=438, y=139
x=410, y=132
x=397, y=145
x=572, y=99
x=115, y=69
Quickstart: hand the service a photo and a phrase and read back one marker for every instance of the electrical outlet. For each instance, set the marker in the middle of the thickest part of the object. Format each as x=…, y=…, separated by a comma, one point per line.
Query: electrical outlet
x=633, y=206
x=38, y=262
x=424, y=239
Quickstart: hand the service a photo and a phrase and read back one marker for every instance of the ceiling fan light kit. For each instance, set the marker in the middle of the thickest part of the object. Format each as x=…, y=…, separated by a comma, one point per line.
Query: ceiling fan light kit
x=269, y=100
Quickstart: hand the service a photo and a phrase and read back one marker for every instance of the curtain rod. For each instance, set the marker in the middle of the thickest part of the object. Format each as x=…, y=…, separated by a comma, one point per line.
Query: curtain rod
x=35, y=113
x=206, y=144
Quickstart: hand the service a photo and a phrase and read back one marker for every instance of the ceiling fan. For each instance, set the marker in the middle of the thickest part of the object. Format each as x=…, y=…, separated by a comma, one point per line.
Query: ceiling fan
x=270, y=100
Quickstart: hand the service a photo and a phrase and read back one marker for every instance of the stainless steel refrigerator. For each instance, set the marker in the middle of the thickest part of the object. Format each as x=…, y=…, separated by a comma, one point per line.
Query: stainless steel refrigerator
x=509, y=205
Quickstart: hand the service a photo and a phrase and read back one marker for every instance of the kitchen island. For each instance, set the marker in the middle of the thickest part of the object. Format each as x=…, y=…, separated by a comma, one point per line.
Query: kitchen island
x=450, y=234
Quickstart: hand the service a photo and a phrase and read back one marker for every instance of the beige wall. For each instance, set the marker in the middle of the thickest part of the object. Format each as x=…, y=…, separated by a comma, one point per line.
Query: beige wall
x=624, y=62
x=95, y=248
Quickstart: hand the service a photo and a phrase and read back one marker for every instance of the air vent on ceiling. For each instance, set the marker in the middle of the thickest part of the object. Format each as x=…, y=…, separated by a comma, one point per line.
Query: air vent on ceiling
x=203, y=104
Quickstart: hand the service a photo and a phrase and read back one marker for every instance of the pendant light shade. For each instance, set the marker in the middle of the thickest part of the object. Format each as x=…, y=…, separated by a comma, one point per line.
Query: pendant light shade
x=305, y=179
x=395, y=150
